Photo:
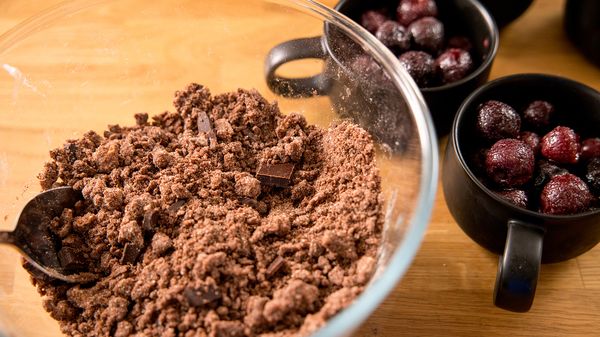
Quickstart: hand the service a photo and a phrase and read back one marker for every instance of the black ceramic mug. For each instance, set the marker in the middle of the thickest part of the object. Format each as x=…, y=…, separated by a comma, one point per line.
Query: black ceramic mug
x=464, y=17
x=582, y=24
x=522, y=237
x=506, y=11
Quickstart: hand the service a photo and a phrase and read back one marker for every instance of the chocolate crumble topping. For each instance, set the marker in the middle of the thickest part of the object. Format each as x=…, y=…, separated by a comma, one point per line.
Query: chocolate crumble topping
x=195, y=234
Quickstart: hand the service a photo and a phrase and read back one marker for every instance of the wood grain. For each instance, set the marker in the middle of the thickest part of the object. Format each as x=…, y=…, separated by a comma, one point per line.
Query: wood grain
x=448, y=289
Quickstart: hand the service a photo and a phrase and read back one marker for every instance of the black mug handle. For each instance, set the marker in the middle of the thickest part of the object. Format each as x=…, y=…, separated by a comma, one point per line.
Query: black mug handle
x=519, y=267
x=306, y=48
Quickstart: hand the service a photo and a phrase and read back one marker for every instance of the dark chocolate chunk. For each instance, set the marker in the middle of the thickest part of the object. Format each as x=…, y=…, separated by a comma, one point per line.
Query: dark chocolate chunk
x=201, y=296
x=275, y=266
x=249, y=202
x=260, y=206
x=176, y=206
x=150, y=221
x=131, y=253
x=278, y=175
x=70, y=259
x=71, y=150
x=205, y=126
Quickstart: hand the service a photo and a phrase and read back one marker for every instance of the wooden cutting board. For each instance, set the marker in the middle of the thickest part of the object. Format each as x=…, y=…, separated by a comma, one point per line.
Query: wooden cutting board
x=448, y=289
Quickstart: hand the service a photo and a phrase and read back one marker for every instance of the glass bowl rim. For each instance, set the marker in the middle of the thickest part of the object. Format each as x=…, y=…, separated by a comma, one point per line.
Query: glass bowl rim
x=363, y=306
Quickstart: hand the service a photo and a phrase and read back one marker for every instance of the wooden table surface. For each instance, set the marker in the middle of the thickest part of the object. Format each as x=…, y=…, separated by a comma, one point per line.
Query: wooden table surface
x=448, y=289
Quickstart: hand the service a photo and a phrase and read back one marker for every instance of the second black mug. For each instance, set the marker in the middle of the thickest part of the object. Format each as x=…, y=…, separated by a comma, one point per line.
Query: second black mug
x=523, y=238
x=468, y=17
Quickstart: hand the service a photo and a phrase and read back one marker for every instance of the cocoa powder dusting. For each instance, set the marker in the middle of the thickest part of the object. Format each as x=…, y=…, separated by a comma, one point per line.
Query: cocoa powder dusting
x=189, y=241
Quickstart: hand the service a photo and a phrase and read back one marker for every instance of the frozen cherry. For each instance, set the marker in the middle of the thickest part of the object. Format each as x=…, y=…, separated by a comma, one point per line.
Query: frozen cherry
x=393, y=36
x=372, y=20
x=497, y=120
x=453, y=65
x=590, y=148
x=510, y=163
x=546, y=171
x=427, y=34
x=532, y=139
x=419, y=65
x=366, y=67
x=515, y=197
x=565, y=194
x=411, y=10
x=593, y=175
x=561, y=145
x=460, y=42
x=538, y=114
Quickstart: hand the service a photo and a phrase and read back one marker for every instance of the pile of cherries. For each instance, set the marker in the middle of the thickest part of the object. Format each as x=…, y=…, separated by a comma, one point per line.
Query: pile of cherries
x=553, y=174
x=417, y=37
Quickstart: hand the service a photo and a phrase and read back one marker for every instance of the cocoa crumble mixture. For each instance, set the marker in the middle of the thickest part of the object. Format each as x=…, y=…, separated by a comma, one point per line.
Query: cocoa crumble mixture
x=187, y=220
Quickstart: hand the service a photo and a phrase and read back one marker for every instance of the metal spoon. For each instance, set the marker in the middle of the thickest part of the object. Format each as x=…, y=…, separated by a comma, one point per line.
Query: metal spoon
x=32, y=236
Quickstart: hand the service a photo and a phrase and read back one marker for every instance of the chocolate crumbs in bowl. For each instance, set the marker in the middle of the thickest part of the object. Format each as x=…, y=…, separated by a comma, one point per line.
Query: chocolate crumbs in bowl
x=223, y=218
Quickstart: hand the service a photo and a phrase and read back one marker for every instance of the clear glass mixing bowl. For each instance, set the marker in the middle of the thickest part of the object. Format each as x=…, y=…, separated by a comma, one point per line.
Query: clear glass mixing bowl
x=85, y=64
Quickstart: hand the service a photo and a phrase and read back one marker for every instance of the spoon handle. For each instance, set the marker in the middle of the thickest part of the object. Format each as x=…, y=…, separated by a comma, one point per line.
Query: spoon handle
x=6, y=237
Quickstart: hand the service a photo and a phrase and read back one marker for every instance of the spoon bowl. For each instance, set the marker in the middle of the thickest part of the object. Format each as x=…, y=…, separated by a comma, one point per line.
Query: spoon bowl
x=33, y=239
